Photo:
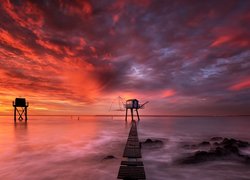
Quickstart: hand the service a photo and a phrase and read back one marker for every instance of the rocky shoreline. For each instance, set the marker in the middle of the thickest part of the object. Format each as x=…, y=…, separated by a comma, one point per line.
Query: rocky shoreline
x=219, y=148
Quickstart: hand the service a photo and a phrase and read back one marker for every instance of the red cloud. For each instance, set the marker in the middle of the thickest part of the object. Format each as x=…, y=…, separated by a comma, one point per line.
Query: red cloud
x=231, y=34
x=78, y=7
x=143, y=3
x=221, y=40
x=116, y=18
x=27, y=15
x=241, y=85
x=232, y=40
x=74, y=44
x=49, y=46
x=10, y=40
x=169, y=93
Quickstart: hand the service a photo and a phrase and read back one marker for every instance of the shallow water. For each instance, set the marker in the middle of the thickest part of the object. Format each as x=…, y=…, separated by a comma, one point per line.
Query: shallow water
x=68, y=148
x=161, y=163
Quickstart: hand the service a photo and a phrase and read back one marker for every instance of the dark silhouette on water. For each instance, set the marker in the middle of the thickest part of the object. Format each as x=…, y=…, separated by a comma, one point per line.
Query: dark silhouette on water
x=133, y=104
x=20, y=107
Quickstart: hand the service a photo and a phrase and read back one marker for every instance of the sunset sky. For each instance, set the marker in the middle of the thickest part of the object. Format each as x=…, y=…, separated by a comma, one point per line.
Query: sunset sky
x=76, y=57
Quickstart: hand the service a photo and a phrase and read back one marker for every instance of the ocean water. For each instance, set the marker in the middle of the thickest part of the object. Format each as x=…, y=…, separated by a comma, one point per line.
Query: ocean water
x=53, y=147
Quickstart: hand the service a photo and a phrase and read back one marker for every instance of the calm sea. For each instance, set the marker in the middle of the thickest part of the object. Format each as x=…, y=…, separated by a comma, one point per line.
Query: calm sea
x=71, y=148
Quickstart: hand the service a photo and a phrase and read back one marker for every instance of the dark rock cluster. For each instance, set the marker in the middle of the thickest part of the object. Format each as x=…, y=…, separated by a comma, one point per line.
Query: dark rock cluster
x=219, y=149
x=149, y=143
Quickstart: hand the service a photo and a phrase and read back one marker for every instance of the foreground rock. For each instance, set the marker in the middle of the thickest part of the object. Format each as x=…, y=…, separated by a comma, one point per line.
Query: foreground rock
x=204, y=143
x=220, y=149
x=216, y=139
x=149, y=143
x=109, y=157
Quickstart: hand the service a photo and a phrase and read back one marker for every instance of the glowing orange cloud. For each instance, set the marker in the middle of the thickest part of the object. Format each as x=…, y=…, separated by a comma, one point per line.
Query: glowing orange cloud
x=50, y=46
x=221, y=40
x=169, y=93
x=8, y=39
x=242, y=85
x=16, y=43
x=28, y=15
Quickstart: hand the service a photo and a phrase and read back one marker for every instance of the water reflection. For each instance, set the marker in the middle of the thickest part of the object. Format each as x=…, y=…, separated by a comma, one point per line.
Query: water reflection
x=68, y=148
x=21, y=136
x=21, y=127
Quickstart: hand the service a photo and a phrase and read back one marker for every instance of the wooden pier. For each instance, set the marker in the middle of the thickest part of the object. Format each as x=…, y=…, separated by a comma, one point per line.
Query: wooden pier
x=132, y=167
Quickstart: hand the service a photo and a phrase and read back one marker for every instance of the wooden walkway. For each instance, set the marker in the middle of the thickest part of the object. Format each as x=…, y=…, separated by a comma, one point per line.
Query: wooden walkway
x=132, y=168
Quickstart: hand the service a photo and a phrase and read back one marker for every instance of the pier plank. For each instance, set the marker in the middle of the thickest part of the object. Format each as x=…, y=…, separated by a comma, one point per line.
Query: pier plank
x=132, y=163
x=130, y=172
x=132, y=153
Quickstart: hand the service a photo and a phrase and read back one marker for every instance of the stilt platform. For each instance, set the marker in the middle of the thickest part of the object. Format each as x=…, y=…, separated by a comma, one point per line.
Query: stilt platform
x=132, y=168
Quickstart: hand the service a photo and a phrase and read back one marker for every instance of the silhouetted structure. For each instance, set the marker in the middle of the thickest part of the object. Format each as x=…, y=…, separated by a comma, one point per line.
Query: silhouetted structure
x=20, y=107
x=133, y=104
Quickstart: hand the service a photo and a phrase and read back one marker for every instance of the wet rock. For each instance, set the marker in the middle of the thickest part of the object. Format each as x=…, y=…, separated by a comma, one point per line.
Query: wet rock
x=149, y=143
x=109, y=157
x=216, y=139
x=198, y=157
x=204, y=143
x=203, y=156
x=196, y=146
x=216, y=144
x=227, y=141
x=243, y=144
x=188, y=146
x=226, y=149
x=232, y=149
x=234, y=142
x=219, y=152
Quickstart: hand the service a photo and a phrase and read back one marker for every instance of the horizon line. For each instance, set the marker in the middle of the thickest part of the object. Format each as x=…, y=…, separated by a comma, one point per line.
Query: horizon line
x=146, y=115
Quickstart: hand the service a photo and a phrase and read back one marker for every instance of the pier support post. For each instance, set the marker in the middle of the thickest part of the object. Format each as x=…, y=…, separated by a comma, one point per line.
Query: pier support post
x=126, y=114
x=137, y=114
x=14, y=113
x=132, y=114
x=25, y=114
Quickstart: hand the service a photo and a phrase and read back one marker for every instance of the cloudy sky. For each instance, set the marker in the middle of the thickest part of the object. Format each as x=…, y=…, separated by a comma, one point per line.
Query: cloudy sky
x=76, y=57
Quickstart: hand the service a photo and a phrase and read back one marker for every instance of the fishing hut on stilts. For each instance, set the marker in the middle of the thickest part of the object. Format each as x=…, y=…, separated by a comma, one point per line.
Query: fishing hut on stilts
x=133, y=104
x=20, y=108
